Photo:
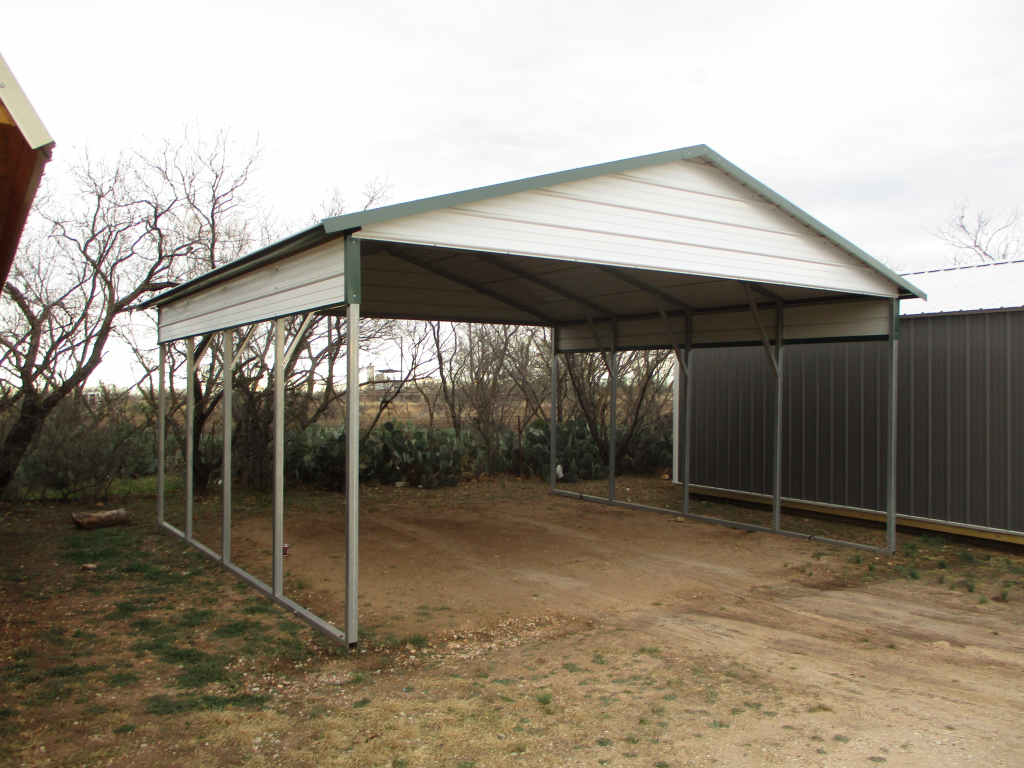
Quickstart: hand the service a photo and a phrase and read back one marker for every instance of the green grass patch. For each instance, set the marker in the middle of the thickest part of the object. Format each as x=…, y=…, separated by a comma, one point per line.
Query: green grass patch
x=124, y=728
x=122, y=679
x=252, y=606
x=165, y=705
x=195, y=618
x=240, y=628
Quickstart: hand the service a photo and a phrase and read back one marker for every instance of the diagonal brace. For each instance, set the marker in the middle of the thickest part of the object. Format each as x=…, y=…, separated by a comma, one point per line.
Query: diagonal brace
x=237, y=357
x=683, y=361
x=761, y=330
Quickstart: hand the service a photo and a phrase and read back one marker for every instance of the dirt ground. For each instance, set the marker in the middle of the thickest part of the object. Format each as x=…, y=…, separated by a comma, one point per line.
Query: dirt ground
x=504, y=626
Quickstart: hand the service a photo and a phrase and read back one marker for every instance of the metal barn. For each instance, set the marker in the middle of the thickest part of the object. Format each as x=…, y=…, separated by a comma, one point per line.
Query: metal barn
x=678, y=250
x=960, y=413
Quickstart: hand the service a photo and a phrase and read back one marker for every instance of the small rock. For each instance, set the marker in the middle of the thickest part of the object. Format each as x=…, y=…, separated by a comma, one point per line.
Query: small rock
x=90, y=567
x=666, y=476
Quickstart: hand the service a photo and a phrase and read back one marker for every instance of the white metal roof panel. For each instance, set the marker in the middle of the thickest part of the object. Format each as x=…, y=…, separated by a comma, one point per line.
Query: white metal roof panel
x=609, y=243
x=968, y=288
x=684, y=216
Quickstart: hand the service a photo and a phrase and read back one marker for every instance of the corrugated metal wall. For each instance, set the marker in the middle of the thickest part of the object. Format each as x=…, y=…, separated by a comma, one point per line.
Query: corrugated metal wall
x=960, y=421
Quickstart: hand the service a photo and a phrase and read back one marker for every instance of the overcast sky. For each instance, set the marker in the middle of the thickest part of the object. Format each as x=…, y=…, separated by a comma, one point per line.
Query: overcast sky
x=872, y=116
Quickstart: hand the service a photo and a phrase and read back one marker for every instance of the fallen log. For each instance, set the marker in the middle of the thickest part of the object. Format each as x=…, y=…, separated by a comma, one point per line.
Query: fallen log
x=87, y=521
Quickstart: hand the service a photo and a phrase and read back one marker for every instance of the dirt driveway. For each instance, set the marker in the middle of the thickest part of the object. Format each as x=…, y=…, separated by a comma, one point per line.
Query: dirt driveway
x=503, y=626
x=786, y=650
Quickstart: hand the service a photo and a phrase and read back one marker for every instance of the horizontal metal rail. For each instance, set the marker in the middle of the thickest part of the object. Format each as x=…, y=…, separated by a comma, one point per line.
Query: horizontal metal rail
x=718, y=521
x=863, y=513
x=325, y=627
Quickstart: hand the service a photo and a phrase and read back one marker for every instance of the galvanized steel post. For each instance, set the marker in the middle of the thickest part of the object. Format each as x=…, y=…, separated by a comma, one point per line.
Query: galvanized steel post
x=352, y=478
x=687, y=397
x=777, y=452
x=890, y=473
x=190, y=396
x=161, y=436
x=227, y=363
x=553, y=424
x=613, y=374
x=278, y=536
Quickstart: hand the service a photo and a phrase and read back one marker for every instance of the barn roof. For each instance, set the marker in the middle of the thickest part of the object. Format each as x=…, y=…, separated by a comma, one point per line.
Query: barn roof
x=25, y=147
x=968, y=288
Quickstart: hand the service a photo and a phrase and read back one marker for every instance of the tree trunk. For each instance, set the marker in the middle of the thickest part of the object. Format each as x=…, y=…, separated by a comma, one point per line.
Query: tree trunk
x=30, y=418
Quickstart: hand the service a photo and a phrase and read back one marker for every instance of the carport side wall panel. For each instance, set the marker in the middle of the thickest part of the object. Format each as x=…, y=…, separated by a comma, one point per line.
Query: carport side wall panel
x=305, y=281
x=804, y=323
x=960, y=384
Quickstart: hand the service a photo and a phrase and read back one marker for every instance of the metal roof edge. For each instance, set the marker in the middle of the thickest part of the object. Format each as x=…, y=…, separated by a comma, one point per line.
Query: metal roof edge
x=270, y=253
x=335, y=226
x=21, y=110
x=806, y=219
x=352, y=221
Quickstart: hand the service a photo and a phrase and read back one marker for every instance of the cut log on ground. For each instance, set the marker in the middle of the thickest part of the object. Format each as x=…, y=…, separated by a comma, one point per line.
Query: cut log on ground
x=86, y=521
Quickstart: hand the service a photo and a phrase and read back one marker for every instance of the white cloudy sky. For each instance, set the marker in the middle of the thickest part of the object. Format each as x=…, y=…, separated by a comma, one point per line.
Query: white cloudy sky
x=872, y=116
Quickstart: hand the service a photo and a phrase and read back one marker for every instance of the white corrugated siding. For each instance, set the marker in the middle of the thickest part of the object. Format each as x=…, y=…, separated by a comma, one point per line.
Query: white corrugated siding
x=300, y=283
x=801, y=322
x=684, y=217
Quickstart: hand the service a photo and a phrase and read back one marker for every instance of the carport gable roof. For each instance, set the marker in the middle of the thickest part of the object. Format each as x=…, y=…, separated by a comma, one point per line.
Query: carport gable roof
x=685, y=225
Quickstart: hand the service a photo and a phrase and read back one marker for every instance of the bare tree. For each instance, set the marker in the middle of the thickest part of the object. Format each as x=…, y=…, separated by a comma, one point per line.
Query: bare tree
x=982, y=234
x=211, y=179
x=451, y=364
x=89, y=259
x=642, y=396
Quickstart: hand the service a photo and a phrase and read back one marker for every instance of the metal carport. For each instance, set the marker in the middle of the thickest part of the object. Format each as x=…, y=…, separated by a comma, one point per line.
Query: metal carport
x=675, y=250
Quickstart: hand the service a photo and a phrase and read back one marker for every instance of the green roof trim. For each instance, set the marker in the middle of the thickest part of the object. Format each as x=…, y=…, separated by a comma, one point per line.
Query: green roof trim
x=338, y=226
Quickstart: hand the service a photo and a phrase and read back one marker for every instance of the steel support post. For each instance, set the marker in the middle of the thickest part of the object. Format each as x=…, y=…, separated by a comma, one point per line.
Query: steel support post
x=227, y=356
x=161, y=435
x=687, y=393
x=777, y=450
x=190, y=397
x=613, y=375
x=677, y=418
x=278, y=537
x=890, y=479
x=352, y=478
x=553, y=425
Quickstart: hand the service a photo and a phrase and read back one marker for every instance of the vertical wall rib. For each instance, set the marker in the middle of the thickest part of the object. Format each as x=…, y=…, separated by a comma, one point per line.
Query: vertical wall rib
x=960, y=420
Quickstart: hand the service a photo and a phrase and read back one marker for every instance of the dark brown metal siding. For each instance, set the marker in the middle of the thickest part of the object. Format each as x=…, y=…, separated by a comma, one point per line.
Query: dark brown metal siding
x=960, y=420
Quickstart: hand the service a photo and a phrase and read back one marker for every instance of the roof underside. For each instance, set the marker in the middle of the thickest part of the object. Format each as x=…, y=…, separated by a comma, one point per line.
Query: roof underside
x=678, y=233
